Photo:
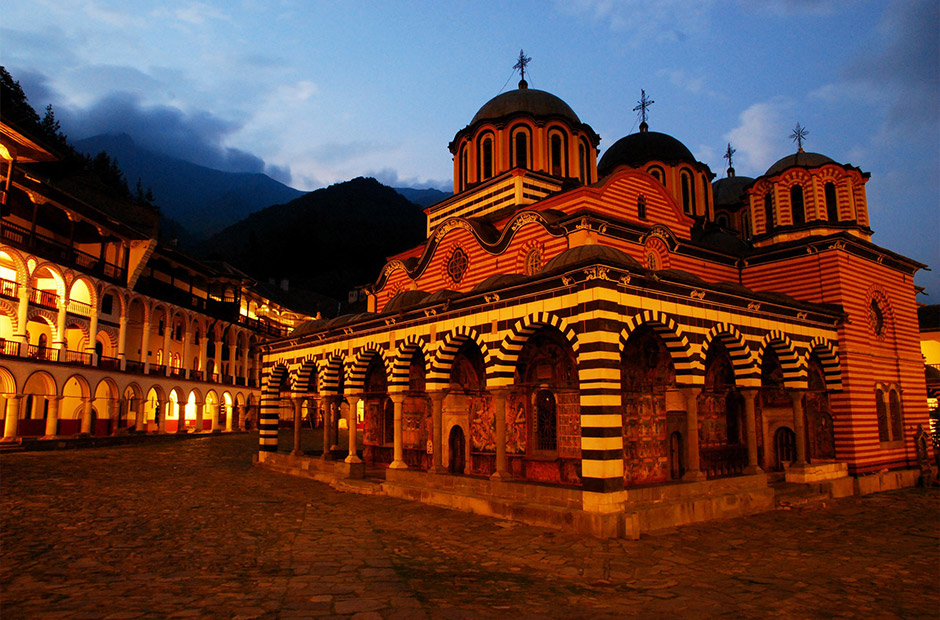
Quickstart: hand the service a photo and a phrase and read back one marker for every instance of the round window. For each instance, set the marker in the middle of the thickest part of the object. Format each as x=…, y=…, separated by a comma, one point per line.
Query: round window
x=457, y=265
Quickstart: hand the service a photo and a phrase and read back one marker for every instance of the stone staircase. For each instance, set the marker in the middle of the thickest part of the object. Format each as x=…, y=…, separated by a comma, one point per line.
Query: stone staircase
x=790, y=494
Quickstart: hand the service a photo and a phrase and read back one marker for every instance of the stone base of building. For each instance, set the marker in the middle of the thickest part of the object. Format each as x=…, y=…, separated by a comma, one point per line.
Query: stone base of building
x=886, y=481
x=681, y=503
x=631, y=512
x=817, y=472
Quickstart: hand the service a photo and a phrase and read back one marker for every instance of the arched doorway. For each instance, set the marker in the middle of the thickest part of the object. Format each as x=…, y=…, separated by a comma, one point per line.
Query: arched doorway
x=468, y=406
x=722, y=446
x=457, y=449
x=784, y=447
x=378, y=435
x=820, y=442
x=544, y=425
x=646, y=373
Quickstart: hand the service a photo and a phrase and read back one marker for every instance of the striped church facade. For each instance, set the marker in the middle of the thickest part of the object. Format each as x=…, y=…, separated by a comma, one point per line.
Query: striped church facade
x=631, y=345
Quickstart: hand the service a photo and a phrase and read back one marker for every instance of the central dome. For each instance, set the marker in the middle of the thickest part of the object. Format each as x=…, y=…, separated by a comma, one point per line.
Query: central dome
x=637, y=149
x=535, y=102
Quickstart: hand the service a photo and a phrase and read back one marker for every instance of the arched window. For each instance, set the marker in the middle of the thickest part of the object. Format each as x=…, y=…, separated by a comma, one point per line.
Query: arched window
x=884, y=433
x=894, y=411
x=797, y=208
x=533, y=262
x=746, y=225
x=557, y=155
x=832, y=206
x=521, y=149
x=463, y=167
x=657, y=173
x=722, y=220
x=652, y=261
x=876, y=317
x=769, y=211
x=583, y=163
x=641, y=207
x=486, y=158
x=687, y=189
x=546, y=421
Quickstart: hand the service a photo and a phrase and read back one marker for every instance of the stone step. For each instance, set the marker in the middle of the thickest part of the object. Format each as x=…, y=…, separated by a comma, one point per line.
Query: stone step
x=789, y=494
x=362, y=487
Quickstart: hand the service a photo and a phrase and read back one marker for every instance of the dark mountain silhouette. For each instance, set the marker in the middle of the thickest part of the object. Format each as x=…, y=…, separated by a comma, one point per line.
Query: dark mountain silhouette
x=327, y=241
x=423, y=197
x=202, y=200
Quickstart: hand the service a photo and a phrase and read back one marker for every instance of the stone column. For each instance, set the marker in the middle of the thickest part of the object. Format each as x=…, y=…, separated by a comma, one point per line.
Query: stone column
x=327, y=405
x=12, y=417
x=86, y=417
x=22, y=314
x=92, y=335
x=145, y=346
x=217, y=360
x=245, y=354
x=750, y=420
x=114, y=406
x=257, y=369
x=229, y=417
x=52, y=419
x=398, y=460
x=437, y=448
x=60, y=343
x=232, y=365
x=692, y=472
x=160, y=412
x=799, y=428
x=200, y=411
x=167, y=357
x=352, y=457
x=203, y=345
x=122, y=342
x=500, y=395
x=298, y=426
x=187, y=363
x=181, y=419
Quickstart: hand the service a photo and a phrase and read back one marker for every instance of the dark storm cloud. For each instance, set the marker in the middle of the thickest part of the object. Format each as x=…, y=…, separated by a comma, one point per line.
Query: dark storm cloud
x=906, y=66
x=196, y=137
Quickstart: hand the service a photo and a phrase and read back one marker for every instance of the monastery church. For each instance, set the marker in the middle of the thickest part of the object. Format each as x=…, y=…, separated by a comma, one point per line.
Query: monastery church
x=616, y=346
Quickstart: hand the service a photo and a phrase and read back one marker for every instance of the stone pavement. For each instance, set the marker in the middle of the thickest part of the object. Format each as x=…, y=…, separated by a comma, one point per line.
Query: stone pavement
x=192, y=530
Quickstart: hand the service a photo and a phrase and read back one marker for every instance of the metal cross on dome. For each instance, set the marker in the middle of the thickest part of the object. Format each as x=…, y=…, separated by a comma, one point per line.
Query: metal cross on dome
x=799, y=134
x=642, y=105
x=728, y=155
x=521, y=63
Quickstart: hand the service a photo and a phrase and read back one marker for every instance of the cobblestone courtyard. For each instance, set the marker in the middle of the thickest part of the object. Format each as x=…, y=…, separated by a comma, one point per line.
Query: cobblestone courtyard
x=192, y=529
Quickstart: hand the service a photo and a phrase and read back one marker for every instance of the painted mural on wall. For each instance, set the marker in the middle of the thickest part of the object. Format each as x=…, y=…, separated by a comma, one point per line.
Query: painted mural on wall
x=819, y=423
x=482, y=424
x=646, y=371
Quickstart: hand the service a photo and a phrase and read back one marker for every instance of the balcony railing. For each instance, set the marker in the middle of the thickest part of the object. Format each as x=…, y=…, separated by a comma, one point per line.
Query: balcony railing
x=157, y=369
x=77, y=357
x=42, y=352
x=9, y=347
x=110, y=363
x=134, y=366
x=266, y=326
x=722, y=461
x=8, y=288
x=79, y=307
x=48, y=299
x=59, y=251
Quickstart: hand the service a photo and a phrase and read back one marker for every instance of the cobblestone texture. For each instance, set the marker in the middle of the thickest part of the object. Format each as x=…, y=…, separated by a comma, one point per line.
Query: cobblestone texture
x=193, y=530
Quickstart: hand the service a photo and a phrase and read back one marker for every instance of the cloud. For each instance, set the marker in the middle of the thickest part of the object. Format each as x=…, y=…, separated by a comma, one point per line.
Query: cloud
x=390, y=177
x=905, y=67
x=198, y=137
x=757, y=137
x=663, y=20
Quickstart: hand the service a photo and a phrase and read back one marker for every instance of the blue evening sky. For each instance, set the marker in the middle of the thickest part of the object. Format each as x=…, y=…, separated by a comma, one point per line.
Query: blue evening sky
x=318, y=92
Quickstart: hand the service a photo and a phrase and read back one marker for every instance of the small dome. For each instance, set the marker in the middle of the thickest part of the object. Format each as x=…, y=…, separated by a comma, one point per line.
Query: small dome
x=640, y=148
x=801, y=159
x=538, y=103
x=588, y=254
x=729, y=192
x=404, y=300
